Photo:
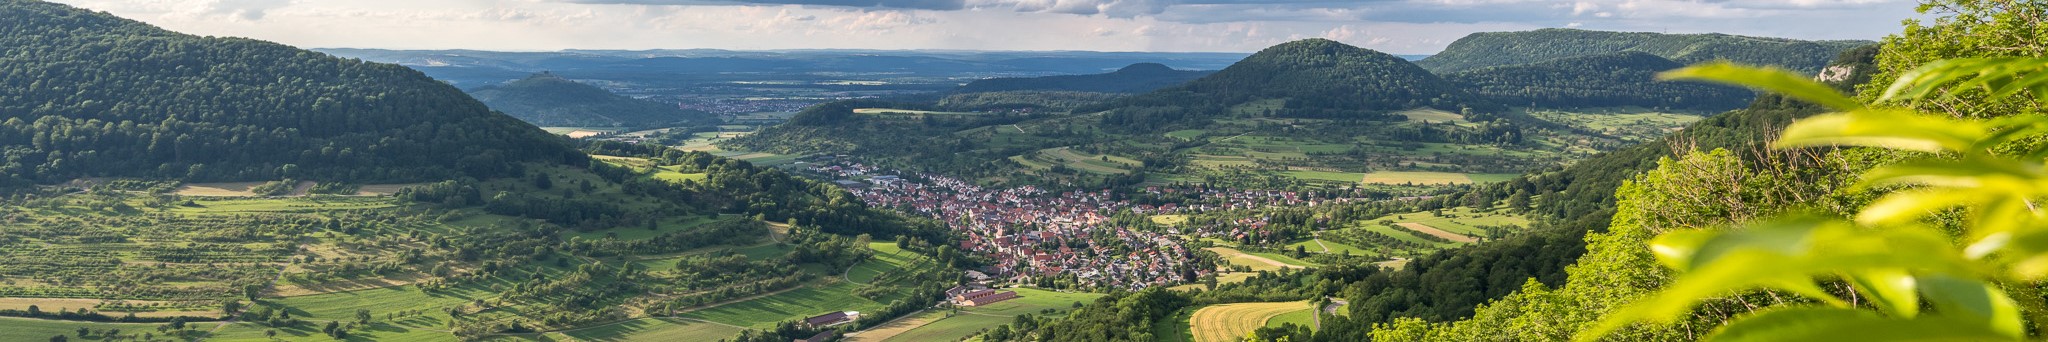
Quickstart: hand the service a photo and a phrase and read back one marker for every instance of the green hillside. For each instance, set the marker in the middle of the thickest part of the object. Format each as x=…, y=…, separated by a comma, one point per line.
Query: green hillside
x=549, y=100
x=1136, y=78
x=1625, y=79
x=1310, y=78
x=1487, y=49
x=87, y=94
x=1300, y=115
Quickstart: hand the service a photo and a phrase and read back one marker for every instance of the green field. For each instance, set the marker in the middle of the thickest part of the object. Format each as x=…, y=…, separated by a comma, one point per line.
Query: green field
x=1409, y=177
x=888, y=258
x=669, y=174
x=1334, y=247
x=1304, y=317
x=23, y=329
x=654, y=329
x=642, y=233
x=974, y=319
x=953, y=328
x=1433, y=115
x=808, y=301
x=907, y=112
x=1091, y=163
x=1633, y=124
x=1344, y=177
x=1461, y=220
x=343, y=305
x=1169, y=220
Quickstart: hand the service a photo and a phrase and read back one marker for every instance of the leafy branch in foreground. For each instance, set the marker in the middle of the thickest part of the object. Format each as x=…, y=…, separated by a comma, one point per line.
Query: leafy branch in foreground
x=1888, y=252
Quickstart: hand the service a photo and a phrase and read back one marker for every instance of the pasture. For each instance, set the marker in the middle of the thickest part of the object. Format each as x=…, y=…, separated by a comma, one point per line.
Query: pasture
x=970, y=320
x=23, y=329
x=764, y=312
x=1460, y=220
x=1433, y=115
x=1169, y=220
x=654, y=329
x=907, y=112
x=1085, y=162
x=1412, y=177
x=1256, y=262
x=1632, y=124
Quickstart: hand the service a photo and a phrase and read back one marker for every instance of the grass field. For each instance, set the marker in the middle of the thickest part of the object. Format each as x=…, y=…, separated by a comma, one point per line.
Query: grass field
x=953, y=328
x=1091, y=163
x=1230, y=322
x=1432, y=115
x=669, y=174
x=892, y=111
x=765, y=312
x=1256, y=262
x=974, y=319
x=22, y=329
x=1634, y=124
x=1433, y=231
x=581, y=132
x=888, y=258
x=641, y=233
x=1186, y=134
x=1334, y=247
x=654, y=329
x=343, y=305
x=1169, y=220
x=890, y=330
x=1304, y=317
x=1344, y=177
x=1461, y=220
x=1226, y=278
x=1411, y=177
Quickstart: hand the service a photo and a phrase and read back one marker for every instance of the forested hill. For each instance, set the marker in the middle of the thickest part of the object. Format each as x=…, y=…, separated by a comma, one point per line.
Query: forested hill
x=548, y=100
x=89, y=94
x=1605, y=80
x=1136, y=78
x=1312, y=78
x=1487, y=49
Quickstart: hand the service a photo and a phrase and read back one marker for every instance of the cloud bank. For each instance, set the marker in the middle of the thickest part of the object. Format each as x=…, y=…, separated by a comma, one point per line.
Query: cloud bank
x=1398, y=26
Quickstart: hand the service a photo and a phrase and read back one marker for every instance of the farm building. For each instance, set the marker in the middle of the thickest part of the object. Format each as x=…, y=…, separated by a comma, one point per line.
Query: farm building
x=832, y=319
x=982, y=297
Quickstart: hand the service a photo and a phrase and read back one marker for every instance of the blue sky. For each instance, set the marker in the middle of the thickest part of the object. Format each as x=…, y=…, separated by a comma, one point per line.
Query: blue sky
x=1396, y=26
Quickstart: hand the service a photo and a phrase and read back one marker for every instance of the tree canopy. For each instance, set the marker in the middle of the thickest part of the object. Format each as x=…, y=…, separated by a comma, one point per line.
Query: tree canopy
x=85, y=94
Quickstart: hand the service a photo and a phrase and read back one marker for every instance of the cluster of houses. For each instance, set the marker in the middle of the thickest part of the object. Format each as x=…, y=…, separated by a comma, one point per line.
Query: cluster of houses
x=1031, y=233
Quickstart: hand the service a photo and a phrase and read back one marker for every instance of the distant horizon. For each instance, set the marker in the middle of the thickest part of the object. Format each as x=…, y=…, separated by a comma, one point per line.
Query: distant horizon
x=1405, y=27
x=942, y=50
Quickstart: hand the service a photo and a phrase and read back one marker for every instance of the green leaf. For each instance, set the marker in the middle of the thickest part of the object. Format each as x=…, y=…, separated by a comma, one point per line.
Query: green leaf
x=1907, y=206
x=1784, y=255
x=2002, y=77
x=2027, y=252
x=1768, y=79
x=1973, y=300
x=1992, y=174
x=1893, y=290
x=1839, y=324
x=1886, y=128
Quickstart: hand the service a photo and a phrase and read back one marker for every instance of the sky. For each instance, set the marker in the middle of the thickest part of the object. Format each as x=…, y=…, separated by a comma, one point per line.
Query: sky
x=1394, y=26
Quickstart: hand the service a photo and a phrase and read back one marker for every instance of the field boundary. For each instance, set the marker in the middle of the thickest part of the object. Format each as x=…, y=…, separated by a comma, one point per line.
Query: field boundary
x=1426, y=229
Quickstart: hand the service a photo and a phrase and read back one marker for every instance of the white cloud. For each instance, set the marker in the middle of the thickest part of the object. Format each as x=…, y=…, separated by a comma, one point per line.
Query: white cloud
x=1397, y=26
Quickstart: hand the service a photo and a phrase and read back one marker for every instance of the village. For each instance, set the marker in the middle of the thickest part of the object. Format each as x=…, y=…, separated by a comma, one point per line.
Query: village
x=1034, y=237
